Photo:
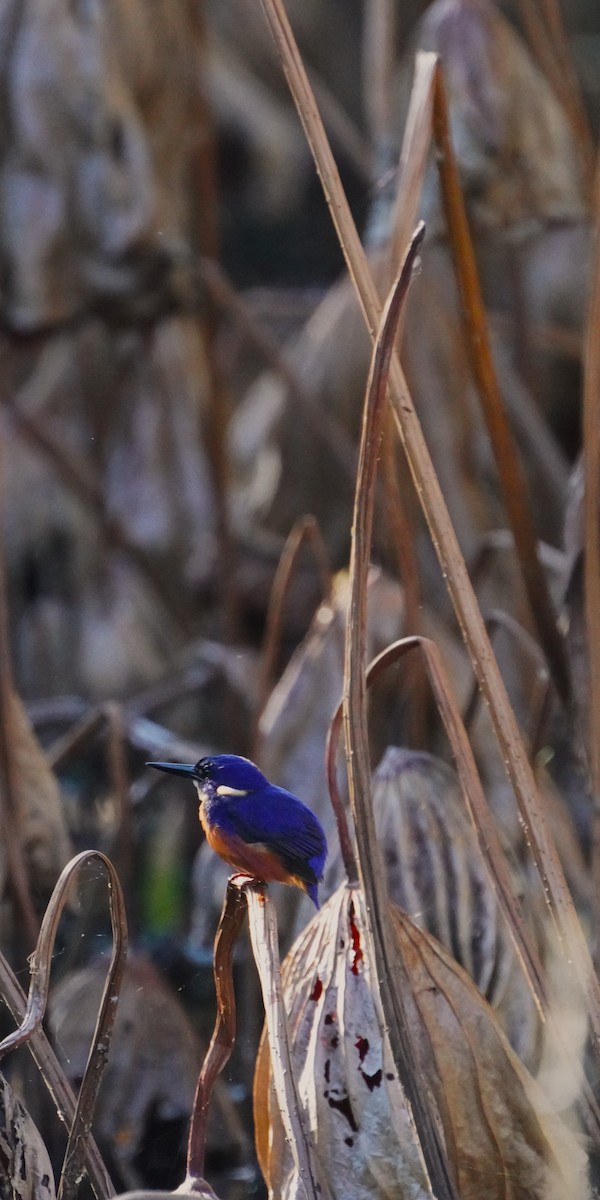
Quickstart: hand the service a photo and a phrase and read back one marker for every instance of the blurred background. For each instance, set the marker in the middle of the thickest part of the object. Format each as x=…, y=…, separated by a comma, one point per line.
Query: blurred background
x=182, y=371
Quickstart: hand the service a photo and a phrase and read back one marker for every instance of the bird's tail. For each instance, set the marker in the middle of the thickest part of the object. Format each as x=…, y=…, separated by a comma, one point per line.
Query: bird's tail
x=312, y=890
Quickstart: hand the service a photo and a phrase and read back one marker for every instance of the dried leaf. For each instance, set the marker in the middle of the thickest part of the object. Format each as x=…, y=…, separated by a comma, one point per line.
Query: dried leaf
x=516, y=154
x=43, y=829
x=154, y=1058
x=437, y=875
x=501, y=1134
x=25, y=1170
x=93, y=210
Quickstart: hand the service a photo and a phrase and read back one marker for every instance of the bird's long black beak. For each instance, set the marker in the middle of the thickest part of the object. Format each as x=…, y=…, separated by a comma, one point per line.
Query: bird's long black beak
x=173, y=768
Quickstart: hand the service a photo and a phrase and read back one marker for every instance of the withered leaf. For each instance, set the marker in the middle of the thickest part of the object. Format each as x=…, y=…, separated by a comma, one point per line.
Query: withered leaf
x=502, y=1137
x=437, y=874
x=153, y=1061
x=25, y=1170
x=41, y=822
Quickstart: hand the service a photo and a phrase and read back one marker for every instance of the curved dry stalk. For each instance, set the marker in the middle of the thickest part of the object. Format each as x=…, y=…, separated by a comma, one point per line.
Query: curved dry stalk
x=77, y=1152
x=401, y=522
x=571, y=937
x=383, y=946
x=263, y=934
x=508, y=463
x=223, y=1038
x=74, y=1161
x=305, y=531
x=339, y=809
x=54, y=1077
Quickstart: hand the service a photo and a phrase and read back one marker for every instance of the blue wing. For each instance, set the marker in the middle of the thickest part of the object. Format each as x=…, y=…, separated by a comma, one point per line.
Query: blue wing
x=280, y=821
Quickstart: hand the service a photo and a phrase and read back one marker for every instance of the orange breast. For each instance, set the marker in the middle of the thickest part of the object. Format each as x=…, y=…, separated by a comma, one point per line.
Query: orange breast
x=252, y=857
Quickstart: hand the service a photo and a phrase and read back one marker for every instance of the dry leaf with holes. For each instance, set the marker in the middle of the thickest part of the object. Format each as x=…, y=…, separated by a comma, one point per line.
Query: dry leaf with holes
x=503, y=1139
x=41, y=821
x=25, y=1170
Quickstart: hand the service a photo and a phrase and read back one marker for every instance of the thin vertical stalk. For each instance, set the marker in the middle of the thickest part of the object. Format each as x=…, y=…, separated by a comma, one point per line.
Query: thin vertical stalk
x=223, y=1038
x=263, y=935
x=383, y=949
x=508, y=465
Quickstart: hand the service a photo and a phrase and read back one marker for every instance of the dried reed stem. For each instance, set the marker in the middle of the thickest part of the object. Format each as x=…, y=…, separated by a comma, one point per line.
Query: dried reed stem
x=570, y=934
x=263, y=933
x=223, y=1038
x=510, y=473
x=383, y=949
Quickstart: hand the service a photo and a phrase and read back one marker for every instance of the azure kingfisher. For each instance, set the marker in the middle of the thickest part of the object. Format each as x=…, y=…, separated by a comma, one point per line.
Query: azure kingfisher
x=258, y=828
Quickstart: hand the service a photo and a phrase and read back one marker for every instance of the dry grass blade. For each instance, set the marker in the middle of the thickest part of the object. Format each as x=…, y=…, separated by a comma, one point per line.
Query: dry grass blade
x=223, y=1038
x=512, y=479
x=41, y=961
x=378, y=67
x=414, y=154
x=263, y=932
x=382, y=948
x=591, y=535
x=572, y=938
x=341, y=819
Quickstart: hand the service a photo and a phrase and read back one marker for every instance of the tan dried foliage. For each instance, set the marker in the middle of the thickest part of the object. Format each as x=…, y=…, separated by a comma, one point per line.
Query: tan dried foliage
x=25, y=1170
x=93, y=205
x=503, y=1140
x=154, y=1057
x=41, y=823
x=436, y=873
x=518, y=160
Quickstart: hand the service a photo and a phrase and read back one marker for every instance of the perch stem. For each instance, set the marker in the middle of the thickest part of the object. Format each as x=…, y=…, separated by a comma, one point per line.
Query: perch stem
x=223, y=1038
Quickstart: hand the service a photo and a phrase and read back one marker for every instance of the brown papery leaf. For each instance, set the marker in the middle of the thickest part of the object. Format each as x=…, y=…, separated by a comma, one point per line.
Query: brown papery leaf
x=154, y=1056
x=43, y=830
x=516, y=154
x=437, y=874
x=25, y=1170
x=501, y=1135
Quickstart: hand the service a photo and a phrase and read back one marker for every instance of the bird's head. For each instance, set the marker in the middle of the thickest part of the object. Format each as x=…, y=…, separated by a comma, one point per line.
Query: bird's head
x=221, y=775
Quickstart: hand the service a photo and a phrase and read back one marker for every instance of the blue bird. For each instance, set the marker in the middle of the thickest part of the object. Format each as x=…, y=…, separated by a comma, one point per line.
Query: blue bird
x=256, y=827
